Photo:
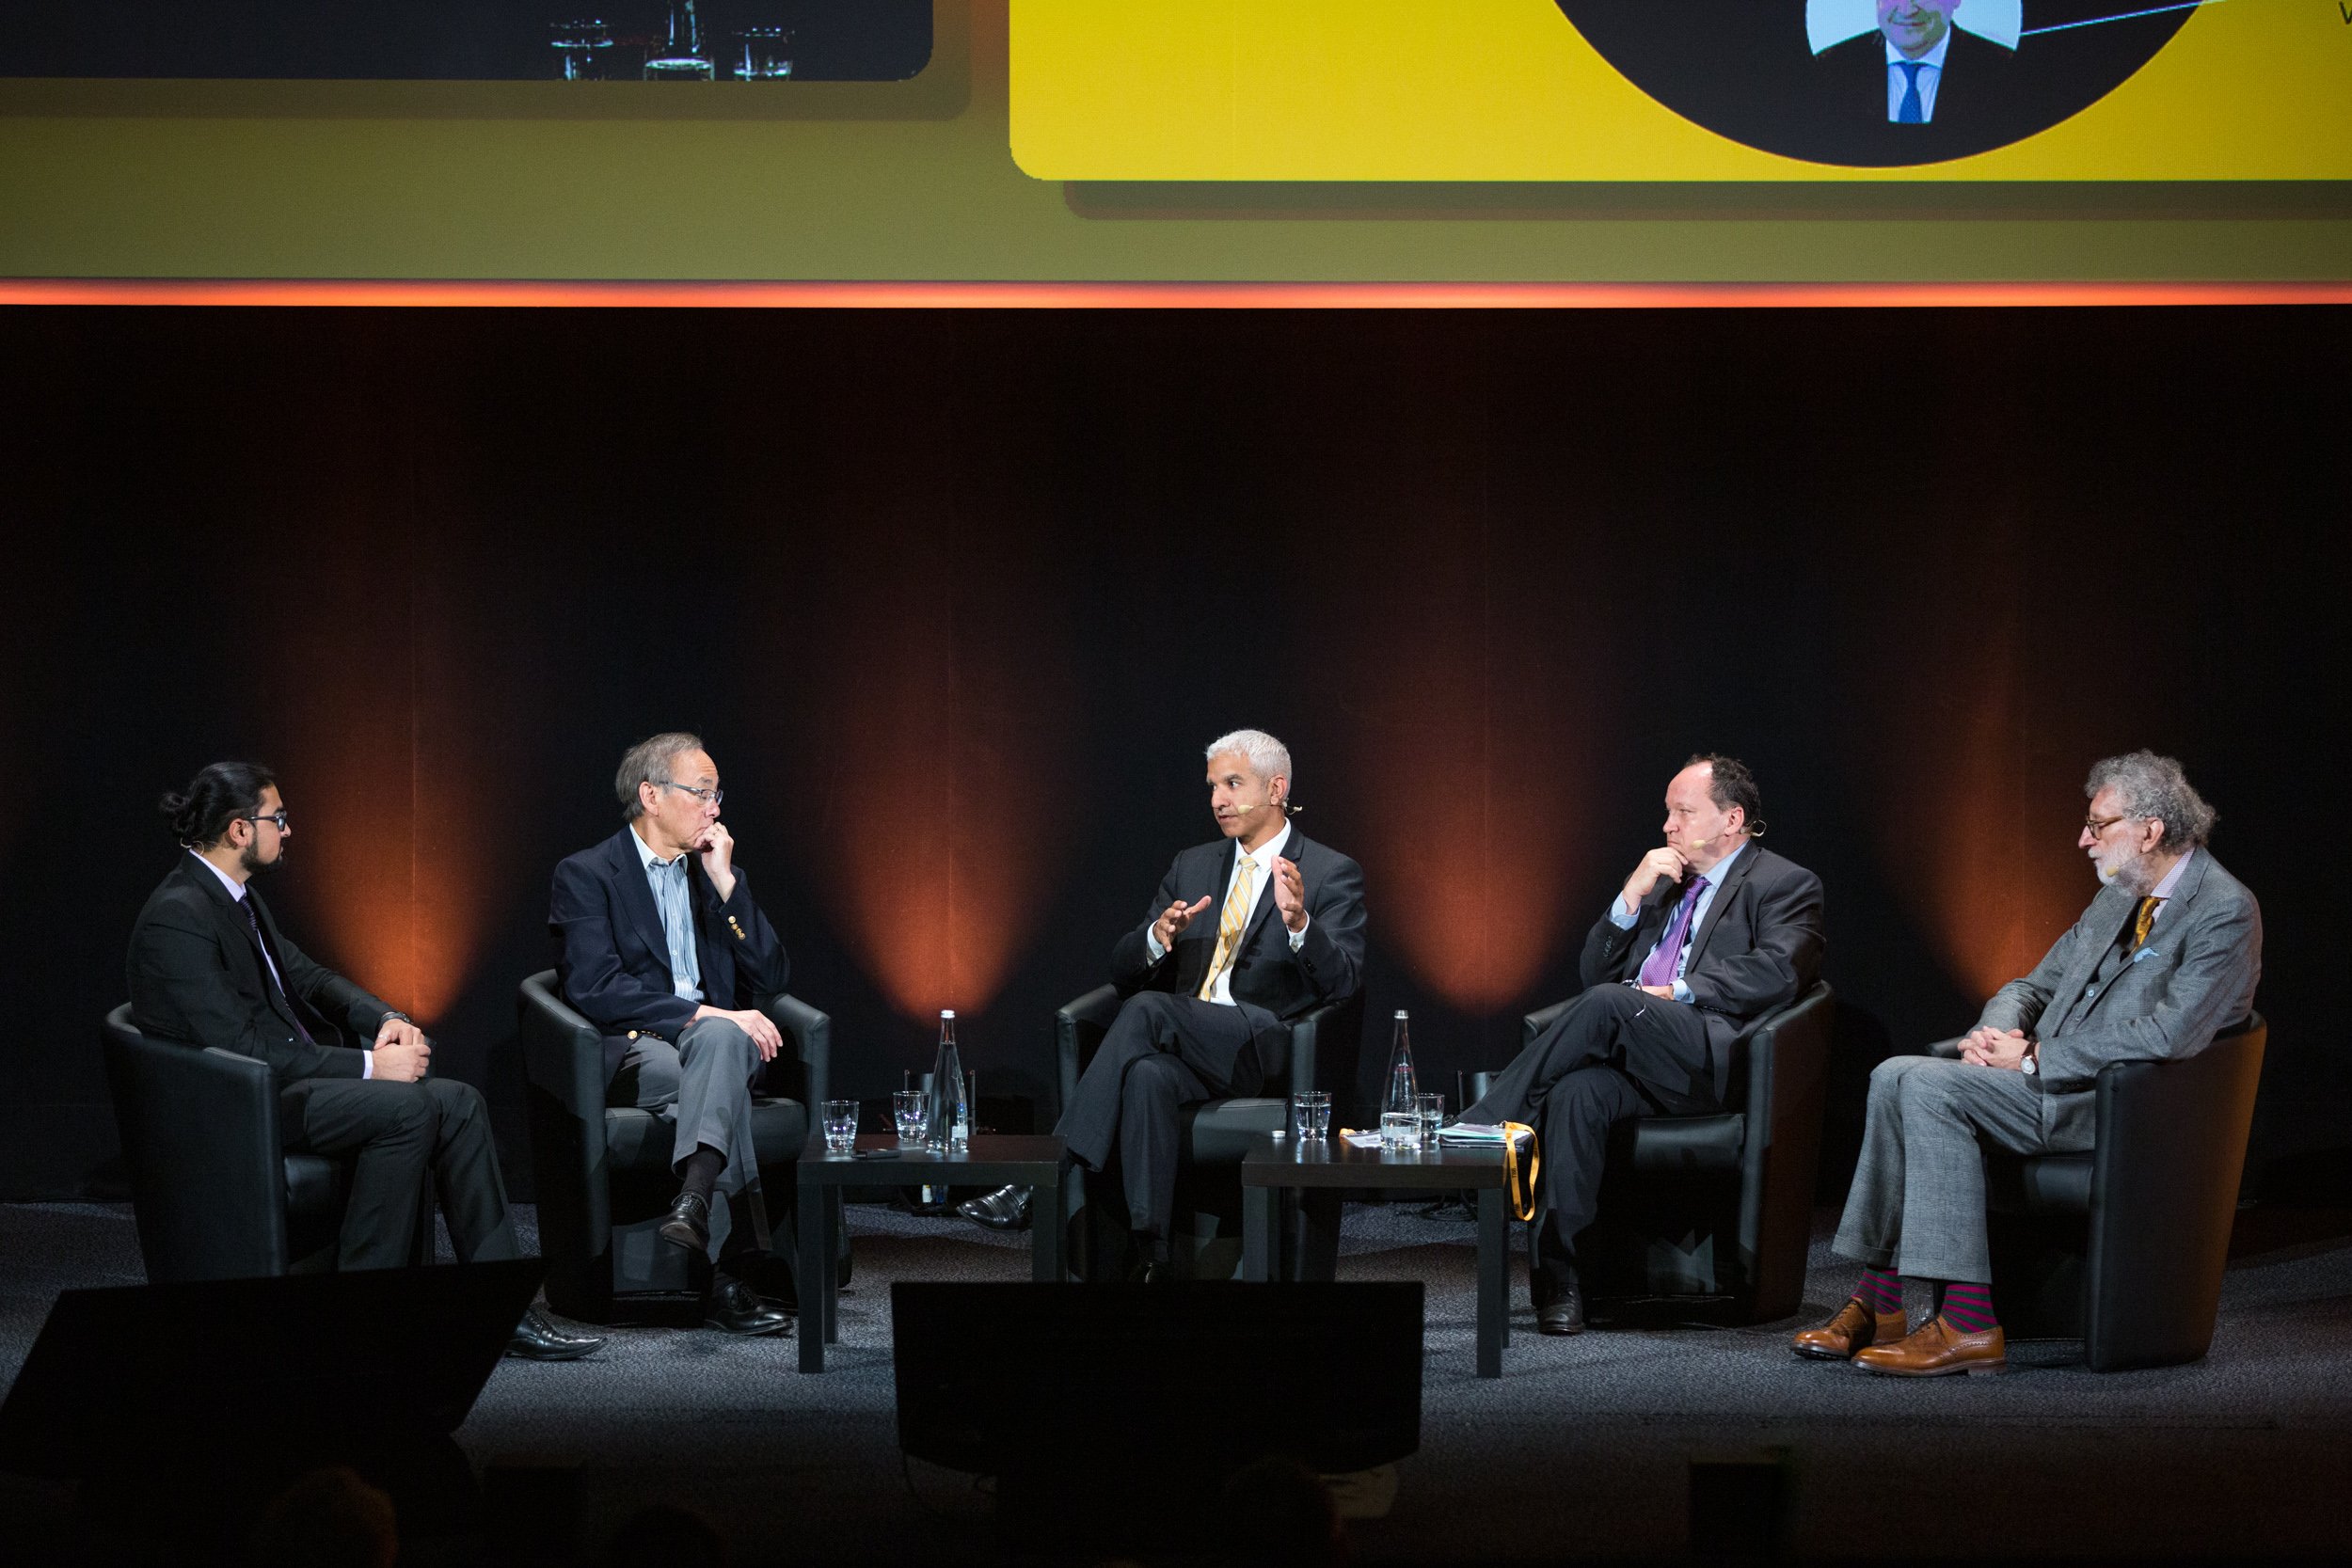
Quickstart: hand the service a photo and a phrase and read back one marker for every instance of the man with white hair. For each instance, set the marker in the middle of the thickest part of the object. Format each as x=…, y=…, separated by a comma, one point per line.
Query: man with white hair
x=1204, y=988
x=2165, y=958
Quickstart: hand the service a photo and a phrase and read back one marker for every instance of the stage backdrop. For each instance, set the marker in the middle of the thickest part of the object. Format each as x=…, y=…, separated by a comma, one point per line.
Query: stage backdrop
x=957, y=598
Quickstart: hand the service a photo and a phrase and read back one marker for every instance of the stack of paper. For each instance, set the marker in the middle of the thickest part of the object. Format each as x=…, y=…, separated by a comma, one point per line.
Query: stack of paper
x=1481, y=1135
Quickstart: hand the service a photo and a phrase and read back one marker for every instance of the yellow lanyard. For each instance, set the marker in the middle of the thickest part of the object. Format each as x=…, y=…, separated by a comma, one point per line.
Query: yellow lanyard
x=1522, y=1198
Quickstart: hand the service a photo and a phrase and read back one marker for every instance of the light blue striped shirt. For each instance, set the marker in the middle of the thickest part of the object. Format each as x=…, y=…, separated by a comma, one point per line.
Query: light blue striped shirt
x=671, y=896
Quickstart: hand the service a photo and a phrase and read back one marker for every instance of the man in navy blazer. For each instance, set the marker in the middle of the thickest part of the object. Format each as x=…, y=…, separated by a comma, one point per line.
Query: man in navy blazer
x=1245, y=934
x=1711, y=933
x=663, y=950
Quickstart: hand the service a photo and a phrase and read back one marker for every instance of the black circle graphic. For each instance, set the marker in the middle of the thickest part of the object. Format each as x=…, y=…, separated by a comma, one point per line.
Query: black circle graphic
x=1743, y=68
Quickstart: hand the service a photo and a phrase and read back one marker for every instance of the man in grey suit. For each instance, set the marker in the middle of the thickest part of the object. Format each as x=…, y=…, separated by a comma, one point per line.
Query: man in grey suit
x=2165, y=958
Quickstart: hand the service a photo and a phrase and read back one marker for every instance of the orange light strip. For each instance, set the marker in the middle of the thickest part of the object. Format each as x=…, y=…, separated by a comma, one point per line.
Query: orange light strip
x=448, y=293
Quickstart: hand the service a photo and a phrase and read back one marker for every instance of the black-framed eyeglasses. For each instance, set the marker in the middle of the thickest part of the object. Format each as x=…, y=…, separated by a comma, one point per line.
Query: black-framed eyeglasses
x=276, y=817
x=2094, y=826
x=707, y=797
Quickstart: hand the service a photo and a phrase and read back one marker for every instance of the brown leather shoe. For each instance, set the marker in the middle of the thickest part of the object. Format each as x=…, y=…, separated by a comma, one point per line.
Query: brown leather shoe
x=1938, y=1351
x=1855, y=1328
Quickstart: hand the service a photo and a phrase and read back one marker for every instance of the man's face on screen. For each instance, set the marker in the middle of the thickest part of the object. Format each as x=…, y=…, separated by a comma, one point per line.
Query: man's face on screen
x=1916, y=27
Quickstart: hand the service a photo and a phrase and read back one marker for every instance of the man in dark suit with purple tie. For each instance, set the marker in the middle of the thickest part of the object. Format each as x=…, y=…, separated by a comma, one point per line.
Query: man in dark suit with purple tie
x=1710, y=933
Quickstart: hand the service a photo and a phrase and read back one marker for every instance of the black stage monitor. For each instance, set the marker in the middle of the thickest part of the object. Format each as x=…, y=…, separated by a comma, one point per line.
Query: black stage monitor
x=204, y=1368
x=1001, y=1378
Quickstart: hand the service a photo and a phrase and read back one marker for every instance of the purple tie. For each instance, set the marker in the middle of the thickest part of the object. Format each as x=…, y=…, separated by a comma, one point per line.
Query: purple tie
x=1658, y=968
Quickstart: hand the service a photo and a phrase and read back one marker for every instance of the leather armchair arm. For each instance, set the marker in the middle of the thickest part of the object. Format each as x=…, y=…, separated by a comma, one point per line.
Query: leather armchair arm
x=811, y=1032
x=1078, y=1028
x=200, y=1132
x=1542, y=1018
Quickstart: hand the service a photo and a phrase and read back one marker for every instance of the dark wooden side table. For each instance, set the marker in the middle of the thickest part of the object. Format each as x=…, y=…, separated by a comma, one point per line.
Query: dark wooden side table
x=882, y=1161
x=1279, y=1168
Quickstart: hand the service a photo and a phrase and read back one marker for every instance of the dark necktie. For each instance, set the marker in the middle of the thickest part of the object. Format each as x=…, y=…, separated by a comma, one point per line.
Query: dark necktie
x=269, y=965
x=1914, y=110
x=1658, y=968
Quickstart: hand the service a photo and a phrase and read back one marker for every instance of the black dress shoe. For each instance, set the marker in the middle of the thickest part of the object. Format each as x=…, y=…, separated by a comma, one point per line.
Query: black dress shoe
x=1563, y=1313
x=688, y=1224
x=537, y=1338
x=736, y=1309
x=1006, y=1209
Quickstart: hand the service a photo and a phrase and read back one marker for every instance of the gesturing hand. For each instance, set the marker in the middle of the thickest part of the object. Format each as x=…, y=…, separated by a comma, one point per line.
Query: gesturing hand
x=1662, y=862
x=1289, y=894
x=1174, y=918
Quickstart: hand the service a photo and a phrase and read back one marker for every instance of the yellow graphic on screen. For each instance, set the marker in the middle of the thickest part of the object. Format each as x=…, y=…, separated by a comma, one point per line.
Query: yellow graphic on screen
x=1466, y=90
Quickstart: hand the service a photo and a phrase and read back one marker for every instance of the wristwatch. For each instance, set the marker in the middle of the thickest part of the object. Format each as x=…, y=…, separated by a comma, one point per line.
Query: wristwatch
x=2027, y=1064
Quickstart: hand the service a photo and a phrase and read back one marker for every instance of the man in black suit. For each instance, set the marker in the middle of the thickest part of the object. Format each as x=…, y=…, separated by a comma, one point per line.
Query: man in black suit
x=210, y=968
x=1202, y=989
x=1916, y=70
x=664, y=949
x=1710, y=933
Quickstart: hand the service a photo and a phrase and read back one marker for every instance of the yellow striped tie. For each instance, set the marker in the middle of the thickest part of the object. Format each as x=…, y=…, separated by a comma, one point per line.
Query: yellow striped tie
x=1229, y=926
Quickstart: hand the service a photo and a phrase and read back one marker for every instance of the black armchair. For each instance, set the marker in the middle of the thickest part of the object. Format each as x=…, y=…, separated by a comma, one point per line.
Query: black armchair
x=1718, y=1207
x=1320, y=1049
x=603, y=1173
x=2123, y=1246
x=212, y=1191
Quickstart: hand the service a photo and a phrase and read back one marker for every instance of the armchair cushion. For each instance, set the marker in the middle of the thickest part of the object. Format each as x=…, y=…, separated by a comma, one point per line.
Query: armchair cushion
x=1218, y=1132
x=1672, y=1146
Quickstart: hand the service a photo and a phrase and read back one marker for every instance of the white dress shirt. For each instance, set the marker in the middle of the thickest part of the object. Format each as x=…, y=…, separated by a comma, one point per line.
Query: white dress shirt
x=1261, y=878
x=236, y=891
x=1931, y=78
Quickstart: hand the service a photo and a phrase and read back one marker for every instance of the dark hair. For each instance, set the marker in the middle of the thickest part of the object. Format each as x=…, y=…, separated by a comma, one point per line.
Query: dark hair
x=1731, y=786
x=214, y=798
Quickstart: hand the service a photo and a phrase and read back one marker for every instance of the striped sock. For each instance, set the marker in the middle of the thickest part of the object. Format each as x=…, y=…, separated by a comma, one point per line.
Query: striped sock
x=1969, y=1307
x=1880, y=1291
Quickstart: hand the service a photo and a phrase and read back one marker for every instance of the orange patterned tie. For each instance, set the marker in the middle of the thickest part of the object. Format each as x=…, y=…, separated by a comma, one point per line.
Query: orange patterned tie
x=2142, y=921
x=1229, y=926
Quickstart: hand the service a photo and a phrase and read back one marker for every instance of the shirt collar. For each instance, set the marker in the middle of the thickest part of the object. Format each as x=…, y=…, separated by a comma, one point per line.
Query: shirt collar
x=645, y=856
x=1933, y=57
x=236, y=888
x=1264, y=855
x=1714, y=875
x=2172, y=878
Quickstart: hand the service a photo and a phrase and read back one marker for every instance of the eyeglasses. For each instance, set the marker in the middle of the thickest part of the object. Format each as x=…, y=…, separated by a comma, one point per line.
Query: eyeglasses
x=707, y=797
x=276, y=817
x=2094, y=826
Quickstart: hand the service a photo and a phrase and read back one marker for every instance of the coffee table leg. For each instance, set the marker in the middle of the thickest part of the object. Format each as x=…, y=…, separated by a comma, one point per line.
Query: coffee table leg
x=1494, y=1277
x=1261, y=1220
x=834, y=1223
x=1047, y=1226
x=815, y=1278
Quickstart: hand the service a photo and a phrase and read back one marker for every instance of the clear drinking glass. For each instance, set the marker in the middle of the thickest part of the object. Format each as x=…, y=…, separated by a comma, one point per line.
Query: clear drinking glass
x=1400, y=1130
x=840, y=1126
x=906, y=1111
x=1432, y=1108
x=1310, y=1114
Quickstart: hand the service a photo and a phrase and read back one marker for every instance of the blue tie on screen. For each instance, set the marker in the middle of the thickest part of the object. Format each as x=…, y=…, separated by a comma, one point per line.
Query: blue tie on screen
x=1912, y=111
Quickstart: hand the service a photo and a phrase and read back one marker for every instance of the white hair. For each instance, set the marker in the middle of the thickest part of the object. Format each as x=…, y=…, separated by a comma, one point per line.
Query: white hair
x=1267, y=756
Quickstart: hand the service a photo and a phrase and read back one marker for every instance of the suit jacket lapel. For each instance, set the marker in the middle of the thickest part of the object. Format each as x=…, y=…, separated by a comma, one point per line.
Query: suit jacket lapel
x=1722, y=901
x=2086, y=960
x=636, y=895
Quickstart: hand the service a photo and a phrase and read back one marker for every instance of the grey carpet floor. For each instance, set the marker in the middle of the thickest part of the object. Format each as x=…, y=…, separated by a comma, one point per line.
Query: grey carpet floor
x=1582, y=1450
